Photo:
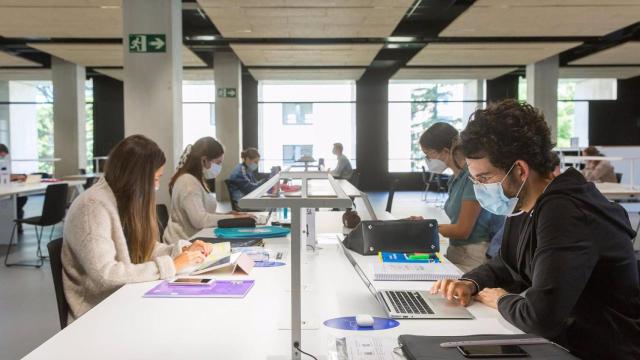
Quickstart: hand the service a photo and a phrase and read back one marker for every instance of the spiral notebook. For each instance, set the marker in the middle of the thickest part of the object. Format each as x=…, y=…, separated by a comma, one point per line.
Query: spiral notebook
x=415, y=272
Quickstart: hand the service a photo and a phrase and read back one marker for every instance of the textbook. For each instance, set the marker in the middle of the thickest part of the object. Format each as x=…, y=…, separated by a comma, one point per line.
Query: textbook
x=415, y=271
x=220, y=288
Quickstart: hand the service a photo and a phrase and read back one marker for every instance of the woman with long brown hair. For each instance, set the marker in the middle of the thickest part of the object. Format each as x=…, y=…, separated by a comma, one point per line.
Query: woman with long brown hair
x=193, y=206
x=111, y=233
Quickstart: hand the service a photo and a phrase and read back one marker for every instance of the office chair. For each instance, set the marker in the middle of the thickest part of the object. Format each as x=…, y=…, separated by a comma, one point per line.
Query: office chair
x=53, y=212
x=55, y=254
x=392, y=191
x=89, y=182
x=234, y=204
x=426, y=180
x=162, y=214
x=355, y=178
x=619, y=177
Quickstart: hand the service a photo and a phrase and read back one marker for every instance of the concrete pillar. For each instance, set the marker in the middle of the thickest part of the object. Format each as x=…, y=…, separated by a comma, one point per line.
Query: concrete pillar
x=228, y=114
x=153, y=80
x=473, y=91
x=69, y=116
x=542, y=90
x=4, y=113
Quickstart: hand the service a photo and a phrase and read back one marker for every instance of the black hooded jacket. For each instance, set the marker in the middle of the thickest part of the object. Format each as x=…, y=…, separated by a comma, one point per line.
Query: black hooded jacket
x=573, y=257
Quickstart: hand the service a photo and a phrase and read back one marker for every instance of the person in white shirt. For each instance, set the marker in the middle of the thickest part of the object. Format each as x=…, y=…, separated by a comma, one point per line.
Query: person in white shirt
x=111, y=234
x=343, y=169
x=193, y=205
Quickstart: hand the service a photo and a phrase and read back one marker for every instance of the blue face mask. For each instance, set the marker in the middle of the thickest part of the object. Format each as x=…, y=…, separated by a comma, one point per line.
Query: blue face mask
x=492, y=198
x=252, y=167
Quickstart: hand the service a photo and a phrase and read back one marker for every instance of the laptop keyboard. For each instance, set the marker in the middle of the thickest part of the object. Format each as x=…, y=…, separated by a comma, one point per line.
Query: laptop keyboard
x=408, y=302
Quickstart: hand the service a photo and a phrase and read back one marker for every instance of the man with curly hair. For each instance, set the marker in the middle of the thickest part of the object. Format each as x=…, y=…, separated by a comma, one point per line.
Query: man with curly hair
x=566, y=269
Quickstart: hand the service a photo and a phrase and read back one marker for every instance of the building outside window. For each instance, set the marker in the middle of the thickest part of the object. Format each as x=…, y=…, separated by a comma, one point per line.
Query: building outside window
x=198, y=110
x=305, y=118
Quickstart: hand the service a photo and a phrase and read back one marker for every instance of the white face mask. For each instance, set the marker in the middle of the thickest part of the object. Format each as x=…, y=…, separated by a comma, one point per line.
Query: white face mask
x=157, y=188
x=436, y=166
x=493, y=199
x=213, y=171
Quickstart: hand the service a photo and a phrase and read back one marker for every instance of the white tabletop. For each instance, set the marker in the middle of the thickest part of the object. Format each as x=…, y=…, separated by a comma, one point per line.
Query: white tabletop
x=126, y=325
x=15, y=188
x=579, y=159
x=82, y=176
x=615, y=191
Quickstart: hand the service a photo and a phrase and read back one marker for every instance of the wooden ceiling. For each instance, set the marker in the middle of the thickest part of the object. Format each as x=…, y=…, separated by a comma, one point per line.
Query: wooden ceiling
x=307, y=74
x=305, y=18
x=60, y=19
x=470, y=54
x=624, y=54
x=306, y=55
x=544, y=18
x=101, y=55
x=11, y=61
x=451, y=73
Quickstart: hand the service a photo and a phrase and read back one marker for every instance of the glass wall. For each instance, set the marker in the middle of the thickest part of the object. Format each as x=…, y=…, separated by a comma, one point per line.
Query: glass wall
x=416, y=105
x=26, y=124
x=299, y=118
x=573, y=106
x=198, y=110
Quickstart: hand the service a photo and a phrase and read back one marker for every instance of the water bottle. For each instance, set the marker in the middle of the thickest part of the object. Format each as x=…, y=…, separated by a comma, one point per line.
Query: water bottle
x=5, y=177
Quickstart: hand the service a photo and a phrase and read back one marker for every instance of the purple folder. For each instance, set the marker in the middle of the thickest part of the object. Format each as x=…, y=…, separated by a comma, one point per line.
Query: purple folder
x=221, y=288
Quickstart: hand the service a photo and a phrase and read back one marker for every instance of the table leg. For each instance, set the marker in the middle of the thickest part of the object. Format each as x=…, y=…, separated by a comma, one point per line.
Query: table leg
x=296, y=283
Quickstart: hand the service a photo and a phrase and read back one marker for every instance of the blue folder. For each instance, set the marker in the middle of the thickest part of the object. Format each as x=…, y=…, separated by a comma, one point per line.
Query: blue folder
x=263, y=232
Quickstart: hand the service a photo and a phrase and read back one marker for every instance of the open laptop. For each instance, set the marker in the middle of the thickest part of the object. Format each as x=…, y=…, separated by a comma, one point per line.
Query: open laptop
x=33, y=179
x=411, y=304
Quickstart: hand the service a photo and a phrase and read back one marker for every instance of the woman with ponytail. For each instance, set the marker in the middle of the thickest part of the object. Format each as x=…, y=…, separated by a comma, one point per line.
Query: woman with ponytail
x=111, y=233
x=471, y=226
x=193, y=206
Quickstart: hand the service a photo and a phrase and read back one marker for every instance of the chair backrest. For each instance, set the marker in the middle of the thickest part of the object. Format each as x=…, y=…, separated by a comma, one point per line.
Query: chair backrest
x=55, y=255
x=425, y=178
x=89, y=182
x=55, y=204
x=355, y=178
x=392, y=191
x=234, y=204
x=162, y=213
x=619, y=177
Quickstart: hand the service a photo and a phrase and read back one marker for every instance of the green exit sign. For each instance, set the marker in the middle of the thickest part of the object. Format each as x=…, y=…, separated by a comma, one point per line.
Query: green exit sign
x=227, y=92
x=147, y=43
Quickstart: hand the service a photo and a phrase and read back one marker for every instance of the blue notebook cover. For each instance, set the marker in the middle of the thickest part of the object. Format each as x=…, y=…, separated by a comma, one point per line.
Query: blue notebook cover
x=423, y=258
x=251, y=232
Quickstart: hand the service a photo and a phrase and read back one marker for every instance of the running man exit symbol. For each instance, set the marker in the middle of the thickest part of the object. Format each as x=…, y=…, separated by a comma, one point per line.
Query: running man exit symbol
x=146, y=43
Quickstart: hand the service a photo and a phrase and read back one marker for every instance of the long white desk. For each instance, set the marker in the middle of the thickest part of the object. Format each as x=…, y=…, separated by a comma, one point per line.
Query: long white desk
x=128, y=326
x=9, y=193
x=622, y=192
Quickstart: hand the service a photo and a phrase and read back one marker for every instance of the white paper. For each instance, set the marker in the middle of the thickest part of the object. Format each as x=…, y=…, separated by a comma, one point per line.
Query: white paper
x=370, y=348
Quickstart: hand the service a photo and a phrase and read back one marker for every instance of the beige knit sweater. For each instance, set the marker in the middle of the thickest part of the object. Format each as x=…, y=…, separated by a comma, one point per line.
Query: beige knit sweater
x=192, y=209
x=95, y=256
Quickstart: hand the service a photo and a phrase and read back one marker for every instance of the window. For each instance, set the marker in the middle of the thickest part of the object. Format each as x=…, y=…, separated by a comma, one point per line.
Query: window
x=297, y=113
x=573, y=106
x=198, y=110
x=314, y=113
x=291, y=153
x=89, y=124
x=416, y=105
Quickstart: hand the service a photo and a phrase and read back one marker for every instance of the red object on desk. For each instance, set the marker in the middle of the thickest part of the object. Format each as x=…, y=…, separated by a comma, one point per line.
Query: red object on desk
x=51, y=180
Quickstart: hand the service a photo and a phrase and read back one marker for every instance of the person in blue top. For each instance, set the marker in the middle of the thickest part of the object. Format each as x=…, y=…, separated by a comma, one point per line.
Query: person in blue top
x=242, y=179
x=471, y=227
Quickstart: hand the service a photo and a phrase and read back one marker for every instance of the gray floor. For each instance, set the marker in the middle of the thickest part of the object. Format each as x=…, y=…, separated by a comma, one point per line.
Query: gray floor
x=28, y=313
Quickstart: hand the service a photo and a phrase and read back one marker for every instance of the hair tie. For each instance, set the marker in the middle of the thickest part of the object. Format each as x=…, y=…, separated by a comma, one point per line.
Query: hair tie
x=184, y=157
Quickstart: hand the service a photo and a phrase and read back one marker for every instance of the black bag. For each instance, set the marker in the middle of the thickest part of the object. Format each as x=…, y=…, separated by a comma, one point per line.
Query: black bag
x=237, y=222
x=405, y=236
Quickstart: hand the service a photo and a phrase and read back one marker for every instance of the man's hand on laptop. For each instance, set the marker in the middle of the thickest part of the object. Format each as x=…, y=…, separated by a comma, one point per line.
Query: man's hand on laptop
x=459, y=291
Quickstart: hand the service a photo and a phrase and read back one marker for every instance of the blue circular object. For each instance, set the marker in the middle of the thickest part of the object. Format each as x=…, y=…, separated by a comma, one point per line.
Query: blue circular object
x=349, y=323
x=268, y=263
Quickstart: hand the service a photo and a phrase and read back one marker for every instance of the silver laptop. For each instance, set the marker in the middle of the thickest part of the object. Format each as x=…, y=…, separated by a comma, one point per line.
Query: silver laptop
x=411, y=304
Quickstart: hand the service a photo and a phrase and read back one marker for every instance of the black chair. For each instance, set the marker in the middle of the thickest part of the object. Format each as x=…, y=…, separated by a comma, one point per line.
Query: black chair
x=53, y=211
x=234, y=204
x=55, y=254
x=162, y=214
x=355, y=178
x=89, y=182
x=426, y=180
x=392, y=191
x=619, y=177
